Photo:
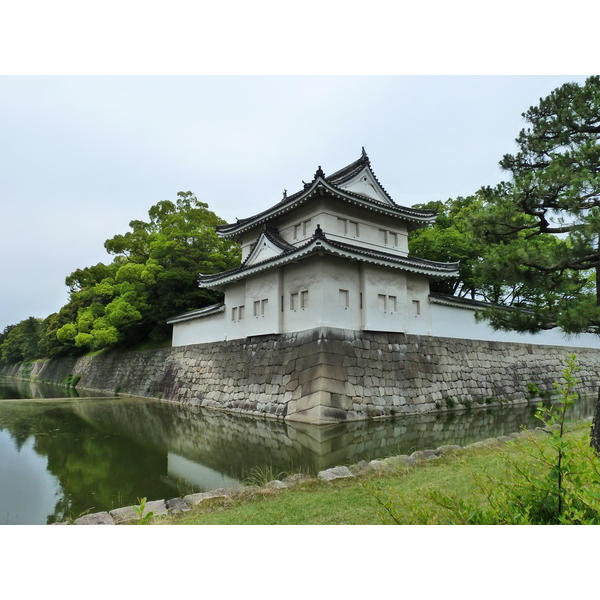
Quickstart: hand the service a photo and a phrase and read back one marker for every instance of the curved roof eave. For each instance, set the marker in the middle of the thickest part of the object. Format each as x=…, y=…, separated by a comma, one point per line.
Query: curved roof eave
x=321, y=244
x=318, y=185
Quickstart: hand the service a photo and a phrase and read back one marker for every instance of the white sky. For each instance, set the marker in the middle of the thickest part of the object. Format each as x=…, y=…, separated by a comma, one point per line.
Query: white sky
x=92, y=133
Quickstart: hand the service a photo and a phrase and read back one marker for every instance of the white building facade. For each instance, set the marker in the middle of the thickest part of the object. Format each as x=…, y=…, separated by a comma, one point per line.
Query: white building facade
x=334, y=254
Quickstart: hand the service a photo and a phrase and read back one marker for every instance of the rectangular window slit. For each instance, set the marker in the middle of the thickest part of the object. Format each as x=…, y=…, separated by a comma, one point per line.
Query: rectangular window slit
x=344, y=298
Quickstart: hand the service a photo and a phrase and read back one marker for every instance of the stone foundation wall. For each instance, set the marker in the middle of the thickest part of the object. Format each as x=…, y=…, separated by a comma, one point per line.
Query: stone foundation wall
x=327, y=375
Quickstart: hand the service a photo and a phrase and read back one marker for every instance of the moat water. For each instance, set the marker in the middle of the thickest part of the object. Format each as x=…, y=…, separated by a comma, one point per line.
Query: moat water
x=63, y=454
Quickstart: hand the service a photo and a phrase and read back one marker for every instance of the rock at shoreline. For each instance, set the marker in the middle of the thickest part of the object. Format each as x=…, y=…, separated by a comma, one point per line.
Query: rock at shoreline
x=276, y=484
x=424, y=455
x=176, y=506
x=101, y=518
x=128, y=515
x=380, y=465
x=195, y=499
x=335, y=473
x=448, y=449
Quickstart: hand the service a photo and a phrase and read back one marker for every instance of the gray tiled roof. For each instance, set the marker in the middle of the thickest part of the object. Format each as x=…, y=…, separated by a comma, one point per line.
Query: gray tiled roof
x=331, y=182
x=320, y=243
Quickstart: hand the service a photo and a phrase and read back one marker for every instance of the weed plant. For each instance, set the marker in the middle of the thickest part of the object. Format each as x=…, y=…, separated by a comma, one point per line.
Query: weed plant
x=140, y=510
x=450, y=402
x=260, y=476
x=71, y=380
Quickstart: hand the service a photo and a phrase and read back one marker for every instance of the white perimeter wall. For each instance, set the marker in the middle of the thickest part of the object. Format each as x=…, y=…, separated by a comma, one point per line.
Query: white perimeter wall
x=197, y=331
x=457, y=322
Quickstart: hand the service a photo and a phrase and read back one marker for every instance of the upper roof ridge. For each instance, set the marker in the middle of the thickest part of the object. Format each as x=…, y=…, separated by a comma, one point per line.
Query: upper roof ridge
x=335, y=183
x=351, y=169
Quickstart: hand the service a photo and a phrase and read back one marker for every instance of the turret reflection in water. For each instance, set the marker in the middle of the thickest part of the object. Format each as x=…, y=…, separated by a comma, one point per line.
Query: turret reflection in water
x=233, y=445
x=106, y=453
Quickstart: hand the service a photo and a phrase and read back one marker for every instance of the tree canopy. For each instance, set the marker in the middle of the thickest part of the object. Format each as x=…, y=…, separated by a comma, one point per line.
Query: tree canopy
x=154, y=275
x=449, y=240
x=20, y=342
x=540, y=229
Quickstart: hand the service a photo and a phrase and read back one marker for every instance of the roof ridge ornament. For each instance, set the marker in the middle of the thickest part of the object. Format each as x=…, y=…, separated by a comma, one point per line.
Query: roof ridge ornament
x=365, y=157
x=319, y=232
x=319, y=173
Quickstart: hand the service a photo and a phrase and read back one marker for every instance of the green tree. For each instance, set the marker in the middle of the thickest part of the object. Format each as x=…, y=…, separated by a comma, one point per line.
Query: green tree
x=162, y=258
x=49, y=345
x=449, y=239
x=5, y=333
x=154, y=275
x=540, y=230
x=21, y=342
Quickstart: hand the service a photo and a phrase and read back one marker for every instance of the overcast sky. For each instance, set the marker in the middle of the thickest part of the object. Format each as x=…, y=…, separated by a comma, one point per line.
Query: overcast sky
x=82, y=156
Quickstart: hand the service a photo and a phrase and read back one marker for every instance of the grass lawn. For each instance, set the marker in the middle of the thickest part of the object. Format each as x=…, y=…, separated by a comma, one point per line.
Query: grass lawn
x=405, y=490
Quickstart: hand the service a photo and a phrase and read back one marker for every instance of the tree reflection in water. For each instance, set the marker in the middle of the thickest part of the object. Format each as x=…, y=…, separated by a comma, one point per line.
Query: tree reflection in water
x=107, y=453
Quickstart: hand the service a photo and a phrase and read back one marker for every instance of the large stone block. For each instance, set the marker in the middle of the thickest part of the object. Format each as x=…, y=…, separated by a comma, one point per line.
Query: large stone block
x=312, y=416
x=313, y=400
x=326, y=385
x=341, y=401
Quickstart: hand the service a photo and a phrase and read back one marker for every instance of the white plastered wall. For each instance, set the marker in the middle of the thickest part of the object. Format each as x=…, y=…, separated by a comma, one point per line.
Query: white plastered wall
x=458, y=322
x=263, y=292
x=384, y=299
x=418, y=311
x=200, y=330
x=352, y=225
x=342, y=290
x=339, y=221
x=303, y=281
x=234, y=325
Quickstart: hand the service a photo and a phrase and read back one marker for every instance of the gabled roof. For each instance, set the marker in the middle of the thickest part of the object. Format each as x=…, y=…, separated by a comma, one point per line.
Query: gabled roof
x=356, y=184
x=269, y=244
x=319, y=244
